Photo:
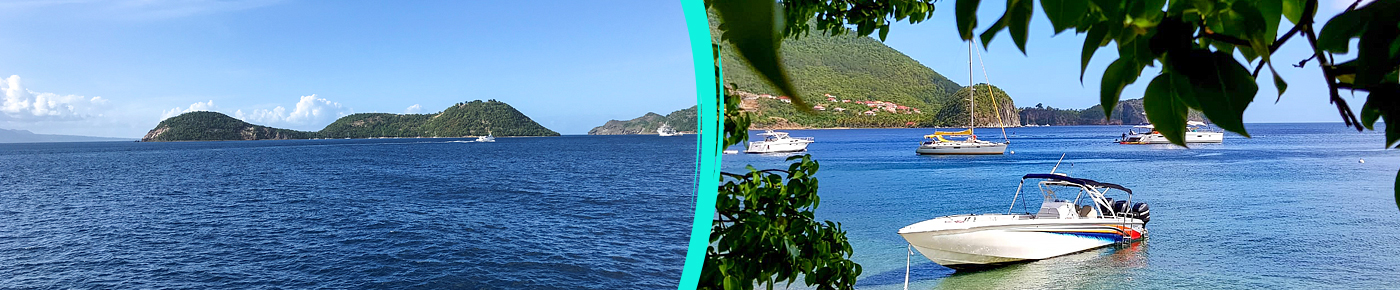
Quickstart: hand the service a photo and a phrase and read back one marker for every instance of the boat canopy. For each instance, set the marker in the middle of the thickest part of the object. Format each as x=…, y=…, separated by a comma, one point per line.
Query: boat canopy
x=1195, y=123
x=944, y=133
x=1079, y=181
x=1149, y=126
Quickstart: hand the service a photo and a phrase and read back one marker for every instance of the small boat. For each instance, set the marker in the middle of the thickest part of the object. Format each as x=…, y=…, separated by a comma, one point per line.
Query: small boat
x=487, y=138
x=935, y=144
x=1196, y=132
x=1065, y=224
x=666, y=131
x=777, y=142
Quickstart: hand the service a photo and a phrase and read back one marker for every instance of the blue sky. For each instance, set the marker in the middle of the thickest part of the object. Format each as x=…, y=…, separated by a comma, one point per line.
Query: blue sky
x=116, y=68
x=1048, y=72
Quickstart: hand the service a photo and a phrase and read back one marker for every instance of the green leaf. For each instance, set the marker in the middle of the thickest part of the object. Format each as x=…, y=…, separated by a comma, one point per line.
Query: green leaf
x=755, y=30
x=987, y=35
x=1373, y=51
x=1338, y=32
x=1397, y=189
x=1119, y=74
x=1092, y=42
x=1164, y=110
x=1020, y=21
x=1064, y=14
x=967, y=18
x=1279, y=83
x=1271, y=11
x=1221, y=86
x=1293, y=10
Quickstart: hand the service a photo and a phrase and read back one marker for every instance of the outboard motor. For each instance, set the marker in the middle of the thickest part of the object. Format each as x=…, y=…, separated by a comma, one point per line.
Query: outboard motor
x=1104, y=209
x=1121, y=207
x=1141, y=211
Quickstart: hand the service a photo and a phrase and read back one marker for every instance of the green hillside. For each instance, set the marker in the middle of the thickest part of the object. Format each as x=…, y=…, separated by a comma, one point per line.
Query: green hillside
x=848, y=67
x=1127, y=112
x=215, y=126
x=683, y=120
x=475, y=118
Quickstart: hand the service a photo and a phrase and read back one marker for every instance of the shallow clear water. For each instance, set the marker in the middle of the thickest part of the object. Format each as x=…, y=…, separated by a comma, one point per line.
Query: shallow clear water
x=1291, y=207
x=570, y=212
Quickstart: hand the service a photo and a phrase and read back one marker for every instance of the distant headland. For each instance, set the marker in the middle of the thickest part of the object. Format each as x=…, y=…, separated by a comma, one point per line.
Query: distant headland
x=475, y=118
x=681, y=120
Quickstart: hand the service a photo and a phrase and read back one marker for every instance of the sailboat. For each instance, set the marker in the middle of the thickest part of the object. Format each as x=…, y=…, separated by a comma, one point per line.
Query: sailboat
x=968, y=144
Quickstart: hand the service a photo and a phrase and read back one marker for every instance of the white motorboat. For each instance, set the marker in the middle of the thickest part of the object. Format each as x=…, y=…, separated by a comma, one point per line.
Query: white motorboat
x=487, y=138
x=1196, y=132
x=777, y=142
x=1062, y=226
x=935, y=144
x=666, y=131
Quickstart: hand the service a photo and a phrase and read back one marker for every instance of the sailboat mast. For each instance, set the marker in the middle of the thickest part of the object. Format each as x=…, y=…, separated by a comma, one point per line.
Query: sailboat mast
x=971, y=97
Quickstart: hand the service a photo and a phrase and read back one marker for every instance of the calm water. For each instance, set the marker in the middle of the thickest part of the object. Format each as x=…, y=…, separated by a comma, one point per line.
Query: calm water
x=1290, y=208
x=571, y=212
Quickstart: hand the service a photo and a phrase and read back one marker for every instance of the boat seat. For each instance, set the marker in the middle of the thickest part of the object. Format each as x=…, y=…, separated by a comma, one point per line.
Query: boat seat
x=1085, y=210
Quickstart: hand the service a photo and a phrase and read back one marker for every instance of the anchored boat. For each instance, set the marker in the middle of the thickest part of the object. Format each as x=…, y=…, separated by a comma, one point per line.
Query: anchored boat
x=936, y=144
x=666, y=131
x=1196, y=132
x=777, y=142
x=1064, y=224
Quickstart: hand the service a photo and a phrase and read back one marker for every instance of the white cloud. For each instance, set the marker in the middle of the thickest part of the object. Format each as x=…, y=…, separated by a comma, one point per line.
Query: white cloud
x=22, y=104
x=195, y=107
x=414, y=109
x=310, y=110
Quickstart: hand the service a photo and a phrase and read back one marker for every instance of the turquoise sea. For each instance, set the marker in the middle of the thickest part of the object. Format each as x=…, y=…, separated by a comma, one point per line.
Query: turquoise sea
x=1294, y=207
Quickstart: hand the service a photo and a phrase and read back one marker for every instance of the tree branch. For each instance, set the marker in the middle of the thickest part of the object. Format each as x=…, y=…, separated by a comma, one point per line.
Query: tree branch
x=1225, y=38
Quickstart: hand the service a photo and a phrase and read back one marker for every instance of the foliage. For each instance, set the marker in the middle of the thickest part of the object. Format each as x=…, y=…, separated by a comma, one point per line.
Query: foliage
x=766, y=233
x=987, y=110
x=215, y=126
x=848, y=67
x=478, y=118
x=366, y=125
x=1195, y=43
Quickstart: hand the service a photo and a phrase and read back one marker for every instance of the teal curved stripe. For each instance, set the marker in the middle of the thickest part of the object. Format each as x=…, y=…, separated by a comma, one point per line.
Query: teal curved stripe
x=708, y=142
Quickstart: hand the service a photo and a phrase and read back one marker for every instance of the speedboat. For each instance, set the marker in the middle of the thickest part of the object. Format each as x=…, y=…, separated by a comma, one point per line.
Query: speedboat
x=487, y=138
x=935, y=144
x=777, y=142
x=1075, y=216
x=666, y=131
x=1196, y=132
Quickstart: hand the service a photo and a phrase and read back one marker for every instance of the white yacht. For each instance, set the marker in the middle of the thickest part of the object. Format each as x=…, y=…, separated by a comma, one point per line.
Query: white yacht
x=1075, y=216
x=776, y=142
x=666, y=131
x=1196, y=132
x=935, y=144
x=487, y=138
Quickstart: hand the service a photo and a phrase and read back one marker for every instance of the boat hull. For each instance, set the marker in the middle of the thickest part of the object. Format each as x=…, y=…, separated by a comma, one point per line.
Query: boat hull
x=1017, y=241
x=1191, y=137
x=778, y=147
x=980, y=148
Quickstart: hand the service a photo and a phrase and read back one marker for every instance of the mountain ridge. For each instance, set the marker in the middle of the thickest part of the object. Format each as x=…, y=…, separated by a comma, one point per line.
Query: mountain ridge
x=475, y=118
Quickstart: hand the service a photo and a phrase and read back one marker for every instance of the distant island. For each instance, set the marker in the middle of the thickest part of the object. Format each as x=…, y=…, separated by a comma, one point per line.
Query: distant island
x=475, y=118
x=683, y=121
x=1127, y=112
x=24, y=136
